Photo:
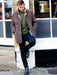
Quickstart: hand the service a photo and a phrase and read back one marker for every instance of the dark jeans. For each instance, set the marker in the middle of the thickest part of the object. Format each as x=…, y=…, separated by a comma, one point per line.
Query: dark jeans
x=24, y=48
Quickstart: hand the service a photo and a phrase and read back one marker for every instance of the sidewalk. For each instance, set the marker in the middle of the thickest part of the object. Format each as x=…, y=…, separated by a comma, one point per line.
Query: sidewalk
x=36, y=71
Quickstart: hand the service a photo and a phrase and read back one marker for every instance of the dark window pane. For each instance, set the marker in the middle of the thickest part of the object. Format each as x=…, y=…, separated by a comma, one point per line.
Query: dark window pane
x=8, y=30
x=1, y=29
x=42, y=9
x=0, y=11
x=43, y=29
x=54, y=28
x=54, y=8
x=8, y=10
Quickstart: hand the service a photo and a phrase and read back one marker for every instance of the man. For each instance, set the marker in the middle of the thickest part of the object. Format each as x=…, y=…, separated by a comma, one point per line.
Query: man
x=24, y=27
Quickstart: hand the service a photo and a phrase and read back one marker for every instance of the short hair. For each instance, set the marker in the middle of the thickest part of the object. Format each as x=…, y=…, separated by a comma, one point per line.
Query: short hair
x=20, y=2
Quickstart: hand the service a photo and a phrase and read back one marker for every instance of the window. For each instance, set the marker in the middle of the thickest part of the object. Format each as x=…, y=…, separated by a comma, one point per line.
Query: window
x=8, y=10
x=54, y=28
x=46, y=15
x=42, y=8
x=5, y=18
x=54, y=8
x=1, y=29
x=1, y=11
x=8, y=30
x=43, y=29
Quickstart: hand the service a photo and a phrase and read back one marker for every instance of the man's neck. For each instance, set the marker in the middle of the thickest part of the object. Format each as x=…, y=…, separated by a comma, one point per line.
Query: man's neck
x=21, y=11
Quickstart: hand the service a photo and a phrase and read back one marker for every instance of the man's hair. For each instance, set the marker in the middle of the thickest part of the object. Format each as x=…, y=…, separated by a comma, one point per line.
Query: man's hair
x=20, y=2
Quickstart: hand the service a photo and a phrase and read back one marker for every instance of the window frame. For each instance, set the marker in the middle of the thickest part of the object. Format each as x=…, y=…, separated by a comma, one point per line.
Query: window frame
x=51, y=18
x=5, y=20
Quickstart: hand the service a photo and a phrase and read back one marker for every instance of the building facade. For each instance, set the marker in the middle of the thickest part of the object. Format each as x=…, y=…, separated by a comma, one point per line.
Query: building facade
x=46, y=15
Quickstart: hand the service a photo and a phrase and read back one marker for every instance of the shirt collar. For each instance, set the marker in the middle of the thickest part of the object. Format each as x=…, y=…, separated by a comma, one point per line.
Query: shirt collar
x=24, y=11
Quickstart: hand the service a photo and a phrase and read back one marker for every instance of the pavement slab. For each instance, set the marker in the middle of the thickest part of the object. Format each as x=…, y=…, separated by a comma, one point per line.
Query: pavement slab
x=52, y=71
x=36, y=71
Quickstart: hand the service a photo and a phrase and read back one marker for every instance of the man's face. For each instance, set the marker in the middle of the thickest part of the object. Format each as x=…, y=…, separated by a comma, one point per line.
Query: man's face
x=21, y=7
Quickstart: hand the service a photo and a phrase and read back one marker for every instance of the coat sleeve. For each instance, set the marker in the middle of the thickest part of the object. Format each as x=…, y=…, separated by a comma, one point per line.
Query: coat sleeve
x=13, y=24
x=34, y=23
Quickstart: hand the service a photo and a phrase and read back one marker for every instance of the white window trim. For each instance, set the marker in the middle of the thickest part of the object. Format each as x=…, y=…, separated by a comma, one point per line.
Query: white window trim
x=4, y=20
x=47, y=18
x=4, y=40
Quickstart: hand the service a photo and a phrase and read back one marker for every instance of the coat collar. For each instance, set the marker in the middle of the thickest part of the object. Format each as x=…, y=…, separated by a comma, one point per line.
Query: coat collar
x=24, y=14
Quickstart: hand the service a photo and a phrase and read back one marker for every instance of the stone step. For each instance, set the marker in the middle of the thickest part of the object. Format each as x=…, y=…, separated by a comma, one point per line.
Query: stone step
x=6, y=48
x=7, y=54
x=7, y=66
x=7, y=58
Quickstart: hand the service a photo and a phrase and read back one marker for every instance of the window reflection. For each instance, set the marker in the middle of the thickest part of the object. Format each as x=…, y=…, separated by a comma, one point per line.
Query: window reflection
x=8, y=30
x=0, y=11
x=42, y=8
x=54, y=8
x=8, y=10
x=43, y=29
x=54, y=28
x=1, y=29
